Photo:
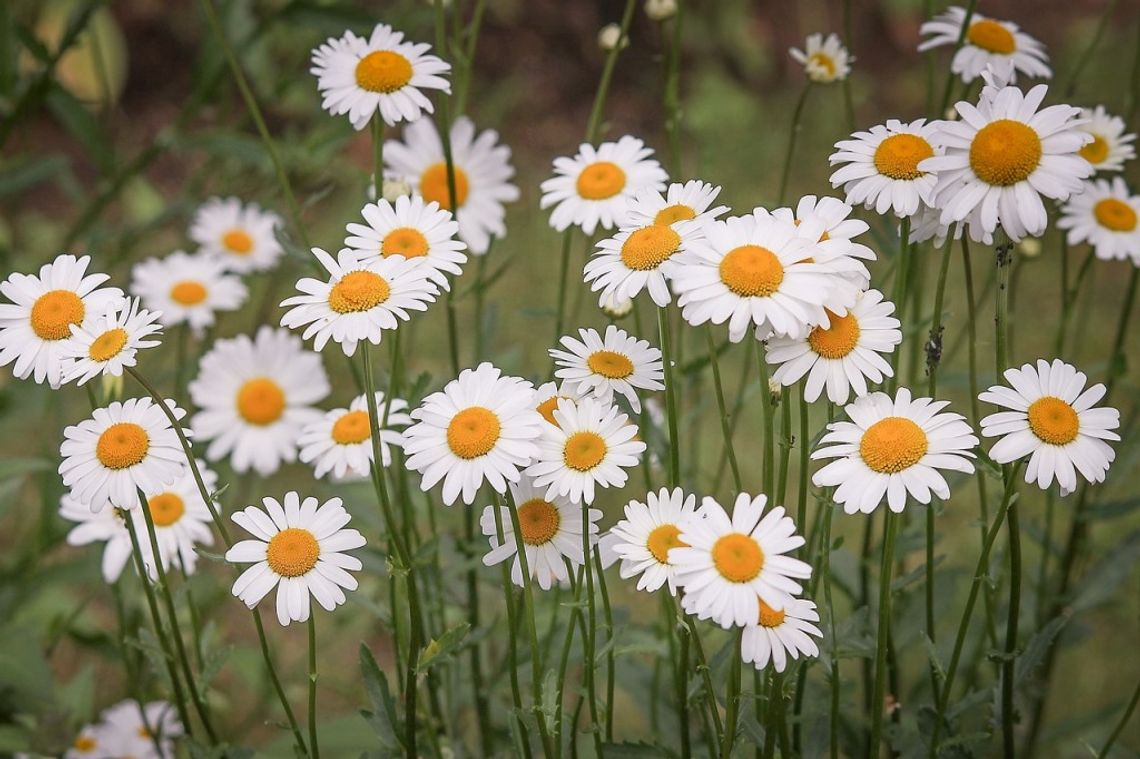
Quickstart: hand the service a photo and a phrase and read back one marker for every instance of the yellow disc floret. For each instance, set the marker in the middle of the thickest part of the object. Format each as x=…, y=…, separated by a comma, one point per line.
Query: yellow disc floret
x=674, y=213
x=751, y=271
x=261, y=401
x=188, y=292
x=738, y=557
x=837, y=340
x=292, y=552
x=991, y=36
x=649, y=247
x=358, y=291
x=351, y=428
x=166, y=508
x=54, y=312
x=898, y=156
x=383, y=71
x=1005, y=152
x=1053, y=421
x=539, y=521
x=769, y=617
x=1115, y=214
x=433, y=185
x=610, y=364
x=107, y=345
x=893, y=444
x=408, y=242
x=122, y=445
x=661, y=539
x=601, y=180
x=583, y=451
x=1096, y=151
x=238, y=241
x=473, y=432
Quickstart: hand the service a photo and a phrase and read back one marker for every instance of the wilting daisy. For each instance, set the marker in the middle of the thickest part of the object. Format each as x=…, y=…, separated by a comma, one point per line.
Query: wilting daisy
x=596, y=185
x=843, y=355
x=413, y=229
x=340, y=442
x=127, y=731
x=43, y=308
x=255, y=397
x=691, y=201
x=551, y=531
x=482, y=170
x=824, y=60
x=187, y=289
x=592, y=445
x=121, y=449
x=891, y=448
x=1105, y=216
x=601, y=366
x=242, y=236
x=774, y=635
x=1002, y=156
x=727, y=562
x=644, y=538
x=987, y=42
x=108, y=343
x=482, y=425
x=360, y=300
x=362, y=76
x=298, y=548
x=880, y=167
x=1110, y=146
x=1054, y=420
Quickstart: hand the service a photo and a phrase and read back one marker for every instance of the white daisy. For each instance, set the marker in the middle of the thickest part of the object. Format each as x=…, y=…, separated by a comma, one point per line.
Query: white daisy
x=482, y=170
x=88, y=744
x=891, y=448
x=841, y=356
x=927, y=225
x=1003, y=156
x=255, y=396
x=243, y=237
x=482, y=425
x=602, y=366
x=298, y=548
x=596, y=185
x=340, y=442
x=987, y=42
x=649, y=531
x=776, y=634
x=126, y=731
x=43, y=308
x=728, y=562
x=593, y=444
x=121, y=449
x=824, y=61
x=362, y=76
x=1105, y=216
x=187, y=289
x=636, y=259
x=551, y=534
x=548, y=394
x=103, y=526
x=1110, y=146
x=360, y=300
x=690, y=201
x=108, y=344
x=1053, y=420
x=413, y=229
x=880, y=167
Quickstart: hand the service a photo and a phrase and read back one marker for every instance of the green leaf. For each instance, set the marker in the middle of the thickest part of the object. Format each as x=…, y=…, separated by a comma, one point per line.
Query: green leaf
x=382, y=717
x=1036, y=648
x=443, y=648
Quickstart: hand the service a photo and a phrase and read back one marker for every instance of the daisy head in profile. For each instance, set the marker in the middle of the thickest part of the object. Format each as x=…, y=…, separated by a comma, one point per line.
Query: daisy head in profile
x=108, y=344
x=340, y=443
x=241, y=235
x=1110, y=146
x=616, y=363
x=1106, y=215
x=187, y=289
x=986, y=42
x=879, y=168
x=547, y=396
x=824, y=60
x=774, y=636
x=646, y=534
x=411, y=228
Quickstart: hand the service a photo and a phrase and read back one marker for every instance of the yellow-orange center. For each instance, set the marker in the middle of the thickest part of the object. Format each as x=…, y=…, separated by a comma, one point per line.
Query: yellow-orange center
x=549, y=406
x=293, y=552
x=837, y=340
x=738, y=557
x=404, y=241
x=122, y=445
x=674, y=213
x=1005, y=152
x=107, y=345
x=649, y=247
x=991, y=36
x=822, y=61
x=1053, y=421
x=1115, y=215
x=54, y=312
x=261, y=401
x=601, y=180
x=433, y=185
x=383, y=71
x=188, y=293
x=769, y=617
x=473, y=432
x=351, y=428
x=238, y=241
x=610, y=364
x=84, y=743
x=539, y=521
x=1096, y=151
x=358, y=291
x=892, y=444
x=166, y=508
x=898, y=156
x=583, y=451
x=751, y=271
x=661, y=539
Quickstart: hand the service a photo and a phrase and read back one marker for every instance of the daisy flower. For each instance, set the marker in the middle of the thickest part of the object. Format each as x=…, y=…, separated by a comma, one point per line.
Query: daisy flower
x=601, y=366
x=187, y=289
x=43, y=309
x=987, y=42
x=1110, y=146
x=547, y=396
x=596, y=185
x=482, y=169
x=1054, y=420
x=593, y=444
x=691, y=201
x=381, y=74
x=360, y=300
x=243, y=237
x=775, y=635
x=644, y=538
x=727, y=562
x=841, y=356
x=481, y=426
x=298, y=548
x=108, y=343
x=413, y=229
x=121, y=449
x=340, y=442
x=824, y=60
x=1105, y=216
x=255, y=396
x=636, y=259
x=891, y=448
x=88, y=743
x=1003, y=156
x=551, y=531
x=927, y=225
x=125, y=730
x=880, y=167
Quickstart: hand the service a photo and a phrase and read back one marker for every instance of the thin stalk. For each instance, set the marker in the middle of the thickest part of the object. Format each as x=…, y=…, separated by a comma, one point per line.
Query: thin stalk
x=595, y=122
x=1124, y=718
x=732, y=697
x=890, y=527
x=670, y=397
x=563, y=283
x=848, y=100
x=785, y=449
x=264, y=642
x=478, y=689
x=314, y=748
x=833, y=678
x=899, y=297
x=564, y=658
x=672, y=94
x=463, y=85
x=611, y=654
x=797, y=115
x=589, y=635
x=769, y=421
x=725, y=424
x=805, y=463
x=1087, y=53
x=512, y=650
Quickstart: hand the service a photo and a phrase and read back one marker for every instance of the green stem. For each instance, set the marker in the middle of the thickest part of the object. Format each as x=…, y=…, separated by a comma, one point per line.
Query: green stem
x=769, y=421
x=611, y=653
x=899, y=297
x=805, y=462
x=890, y=527
x=725, y=423
x=732, y=696
x=595, y=122
x=797, y=114
x=265, y=653
x=314, y=747
x=512, y=650
x=1124, y=718
x=1008, y=661
x=785, y=449
x=672, y=96
x=1087, y=53
x=563, y=282
x=670, y=397
x=477, y=687
x=589, y=636
x=833, y=678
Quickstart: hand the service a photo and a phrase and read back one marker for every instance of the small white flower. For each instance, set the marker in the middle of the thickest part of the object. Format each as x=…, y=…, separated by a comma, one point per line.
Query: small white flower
x=824, y=61
x=187, y=289
x=987, y=42
x=1105, y=216
x=243, y=237
x=650, y=530
x=340, y=442
x=776, y=634
x=619, y=363
x=126, y=731
x=880, y=167
x=108, y=344
x=1110, y=146
x=421, y=232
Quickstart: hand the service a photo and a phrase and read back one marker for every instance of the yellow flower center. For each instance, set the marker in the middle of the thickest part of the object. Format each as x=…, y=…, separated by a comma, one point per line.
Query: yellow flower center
x=538, y=522
x=769, y=617
x=837, y=340
x=383, y=71
x=1005, y=152
x=738, y=557
x=549, y=406
x=358, y=291
x=188, y=293
x=1053, y=421
x=674, y=213
x=893, y=444
x=822, y=61
x=166, y=508
x=1096, y=151
x=352, y=428
x=293, y=552
x=751, y=271
x=122, y=445
x=601, y=180
x=261, y=401
x=473, y=432
x=433, y=185
x=238, y=241
x=84, y=743
x=610, y=364
x=584, y=451
x=404, y=241
x=991, y=36
x=1115, y=215
x=54, y=312
x=898, y=156
x=649, y=247
x=107, y=345
x=661, y=539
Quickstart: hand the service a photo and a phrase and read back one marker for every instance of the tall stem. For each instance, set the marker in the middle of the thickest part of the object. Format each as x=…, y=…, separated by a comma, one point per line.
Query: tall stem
x=1124, y=718
x=298, y=739
x=670, y=397
x=314, y=748
x=732, y=696
x=769, y=422
x=611, y=654
x=725, y=423
x=890, y=527
x=589, y=636
x=512, y=650
x=901, y=269
x=797, y=115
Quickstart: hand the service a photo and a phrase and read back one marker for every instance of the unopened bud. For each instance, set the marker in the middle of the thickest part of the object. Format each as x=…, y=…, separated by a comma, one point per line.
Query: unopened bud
x=659, y=10
x=609, y=37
